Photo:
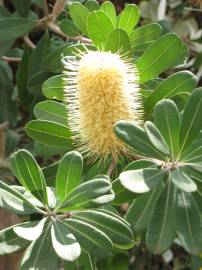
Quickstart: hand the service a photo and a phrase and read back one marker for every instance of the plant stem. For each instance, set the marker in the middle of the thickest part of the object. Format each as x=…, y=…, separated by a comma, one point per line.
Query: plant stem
x=111, y=167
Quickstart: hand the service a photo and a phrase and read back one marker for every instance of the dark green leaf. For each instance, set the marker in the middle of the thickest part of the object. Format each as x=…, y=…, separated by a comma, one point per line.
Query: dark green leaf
x=22, y=6
x=53, y=87
x=69, y=28
x=92, y=5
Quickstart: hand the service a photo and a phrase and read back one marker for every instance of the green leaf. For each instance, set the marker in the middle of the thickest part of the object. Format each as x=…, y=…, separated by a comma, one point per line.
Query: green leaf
x=92, y=5
x=22, y=6
x=188, y=223
x=29, y=174
x=79, y=14
x=161, y=230
x=53, y=87
x=22, y=79
x=35, y=257
x=145, y=33
x=191, y=122
x=112, y=226
x=14, y=27
x=64, y=242
x=140, y=211
x=137, y=138
x=118, y=41
x=9, y=242
x=51, y=111
x=88, y=192
x=158, y=57
x=69, y=28
x=183, y=181
x=49, y=133
x=167, y=119
x=38, y=55
x=96, y=242
x=14, y=201
x=180, y=82
x=129, y=18
x=30, y=230
x=69, y=174
x=110, y=10
x=142, y=180
x=156, y=138
x=99, y=28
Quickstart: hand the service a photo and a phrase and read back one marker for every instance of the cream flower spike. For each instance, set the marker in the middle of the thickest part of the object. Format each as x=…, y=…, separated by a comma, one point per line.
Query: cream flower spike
x=101, y=88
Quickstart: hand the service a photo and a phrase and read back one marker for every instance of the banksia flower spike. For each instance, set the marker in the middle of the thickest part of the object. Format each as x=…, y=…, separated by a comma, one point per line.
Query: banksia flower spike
x=101, y=88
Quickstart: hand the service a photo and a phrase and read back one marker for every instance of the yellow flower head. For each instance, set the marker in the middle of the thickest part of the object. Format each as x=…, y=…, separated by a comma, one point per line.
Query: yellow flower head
x=101, y=88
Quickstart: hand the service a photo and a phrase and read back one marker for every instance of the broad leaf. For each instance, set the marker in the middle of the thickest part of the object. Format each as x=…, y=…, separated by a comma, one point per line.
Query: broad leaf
x=14, y=201
x=14, y=27
x=183, y=181
x=35, y=257
x=161, y=230
x=142, y=180
x=180, y=82
x=145, y=33
x=30, y=230
x=191, y=120
x=159, y=56
x=110, y=10
x=79, y=14
x=137, y=138
x=53, y=87
x=129, y=18
x=10, y=242
x=167, y=119
x=69, y=174
x=69, y=28
x=188, y=223
x=49, y=133
x=96, y=242
x=140, y=211
x=99, y=28
x=22, y=6
x=64, y=242
x=29, y=174
x=156, y=138
x=51, y=111
x=92, y=5
x=114, y=228
x=118, y=41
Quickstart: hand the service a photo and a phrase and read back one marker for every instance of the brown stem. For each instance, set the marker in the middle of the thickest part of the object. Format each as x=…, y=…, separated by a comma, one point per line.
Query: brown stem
x=11, y=59
x=111, y=167
x=28, y=41
x=58, y=8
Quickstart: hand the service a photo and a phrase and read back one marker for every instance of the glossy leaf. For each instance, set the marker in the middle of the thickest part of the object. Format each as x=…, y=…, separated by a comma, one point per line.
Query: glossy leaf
x=110, y=10
x=29, y=174
x=68, y=174
x=53, y=87
x=112, y=226
x=167, y=119
x=183, y=181
x=49, y=133
x=129, y=18
x=142, y=180
x=64, y=242
x=51, y=111
x=191, y=120
x=79, y=14
x=156, y=138
x=99, y=28
x=96, y=242
x=10, y=242
x=14, y=201
x=136, y=137
x=180, y=82
x=161, y=230
x=145, y=33
x=158, y=57
x=118, y=41
x=188, y=223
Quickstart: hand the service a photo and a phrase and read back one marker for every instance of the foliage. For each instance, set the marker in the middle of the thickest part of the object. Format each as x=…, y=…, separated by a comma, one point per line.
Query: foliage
x=98, y=214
